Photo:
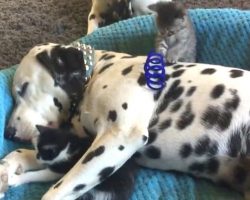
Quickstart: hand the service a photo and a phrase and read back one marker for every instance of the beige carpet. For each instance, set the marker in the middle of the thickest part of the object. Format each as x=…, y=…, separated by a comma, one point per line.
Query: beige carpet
x=24, y=23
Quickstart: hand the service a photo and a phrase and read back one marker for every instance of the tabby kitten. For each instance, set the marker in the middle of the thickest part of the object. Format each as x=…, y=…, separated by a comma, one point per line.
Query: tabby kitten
x=61, y=149
x=176, y=38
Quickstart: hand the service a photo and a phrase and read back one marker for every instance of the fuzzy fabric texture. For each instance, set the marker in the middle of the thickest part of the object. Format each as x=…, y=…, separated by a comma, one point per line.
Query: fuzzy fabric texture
x=25, y=23
x=233, y=49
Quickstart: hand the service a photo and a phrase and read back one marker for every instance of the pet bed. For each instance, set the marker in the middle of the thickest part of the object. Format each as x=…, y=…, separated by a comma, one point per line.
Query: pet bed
x=223, y=38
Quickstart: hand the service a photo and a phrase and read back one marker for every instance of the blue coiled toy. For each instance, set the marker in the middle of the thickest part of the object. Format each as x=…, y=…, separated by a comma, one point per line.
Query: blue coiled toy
x=155, y=71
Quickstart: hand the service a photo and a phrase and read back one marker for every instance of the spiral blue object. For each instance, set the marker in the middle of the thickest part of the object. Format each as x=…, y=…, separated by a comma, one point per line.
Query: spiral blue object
x=155, y=71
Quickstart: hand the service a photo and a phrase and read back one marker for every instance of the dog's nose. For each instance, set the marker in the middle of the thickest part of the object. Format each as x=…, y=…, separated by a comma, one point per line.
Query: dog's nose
x=10, y=133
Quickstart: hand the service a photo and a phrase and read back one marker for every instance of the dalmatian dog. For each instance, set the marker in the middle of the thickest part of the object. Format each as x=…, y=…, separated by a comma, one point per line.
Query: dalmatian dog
x=198, y=124
x=106, y=12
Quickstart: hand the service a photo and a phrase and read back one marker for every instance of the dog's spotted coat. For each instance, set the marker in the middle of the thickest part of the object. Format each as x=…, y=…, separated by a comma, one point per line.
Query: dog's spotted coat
x=198, y=124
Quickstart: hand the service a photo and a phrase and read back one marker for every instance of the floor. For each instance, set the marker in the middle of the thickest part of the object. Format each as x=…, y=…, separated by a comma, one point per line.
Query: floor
x=24, y=23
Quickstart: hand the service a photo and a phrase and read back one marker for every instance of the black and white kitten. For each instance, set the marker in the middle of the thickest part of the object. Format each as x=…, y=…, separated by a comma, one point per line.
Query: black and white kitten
x=176, y=38
x=61, y=149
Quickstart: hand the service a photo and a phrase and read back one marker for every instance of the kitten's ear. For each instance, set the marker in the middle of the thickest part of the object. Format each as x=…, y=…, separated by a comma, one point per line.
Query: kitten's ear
x=41, y=128
x=153, y=7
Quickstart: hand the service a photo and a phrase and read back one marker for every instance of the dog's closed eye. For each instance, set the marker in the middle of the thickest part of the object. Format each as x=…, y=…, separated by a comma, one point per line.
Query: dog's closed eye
x=23, y=89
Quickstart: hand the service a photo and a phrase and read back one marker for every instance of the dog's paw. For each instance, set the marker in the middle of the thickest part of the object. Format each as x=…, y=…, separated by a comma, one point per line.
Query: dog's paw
x=3, y=177
x=14, y=180
x=1, y=195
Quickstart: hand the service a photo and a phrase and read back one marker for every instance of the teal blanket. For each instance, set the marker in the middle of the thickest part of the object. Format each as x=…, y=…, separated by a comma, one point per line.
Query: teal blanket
x=223, y=38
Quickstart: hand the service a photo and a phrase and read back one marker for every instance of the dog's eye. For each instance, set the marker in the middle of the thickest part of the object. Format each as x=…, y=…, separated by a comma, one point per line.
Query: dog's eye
x=23, y=89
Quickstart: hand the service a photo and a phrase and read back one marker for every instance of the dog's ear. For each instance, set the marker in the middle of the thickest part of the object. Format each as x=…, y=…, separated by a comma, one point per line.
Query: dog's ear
x=45, y=60
x=41, y=129
x=62, y=60
x=153, y=7
x=71, y=57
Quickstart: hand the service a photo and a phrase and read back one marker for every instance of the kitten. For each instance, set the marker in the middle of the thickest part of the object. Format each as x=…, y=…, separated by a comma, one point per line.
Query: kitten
x=176, y=38
x=61, y=149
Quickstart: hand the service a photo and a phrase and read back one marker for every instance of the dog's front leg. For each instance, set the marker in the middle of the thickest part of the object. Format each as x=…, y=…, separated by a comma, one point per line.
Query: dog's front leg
x=110, y=150
x=16, y=163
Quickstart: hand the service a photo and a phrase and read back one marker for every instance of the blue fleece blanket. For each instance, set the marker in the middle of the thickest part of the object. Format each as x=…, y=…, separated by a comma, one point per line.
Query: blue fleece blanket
x=223, y=38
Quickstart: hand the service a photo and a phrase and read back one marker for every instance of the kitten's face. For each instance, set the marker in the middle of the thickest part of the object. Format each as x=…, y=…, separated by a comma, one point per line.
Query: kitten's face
x=52, y=145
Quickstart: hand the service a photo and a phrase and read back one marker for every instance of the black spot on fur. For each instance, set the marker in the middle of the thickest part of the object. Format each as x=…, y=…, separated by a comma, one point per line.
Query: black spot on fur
x=57, y=185
x=177, y=73
x=92, y=16
x=208, y=71
x=153, y=152
x=224, y=120
x=18, y=118
x=165, y=124
x=152, y=136
x=202, y=146
x=125, y=106
x=141, y=80
x=127, y=70
x=174, y=92
x=177, y=67
x=105, y=86
x=217, y=91
x=157, y=95
x=167, y=77
x=105, y=67
x=212, y=166
x=153, y=122
x=96, y=120
x=58, y=104
x=100, y=150
x=79, y=187
x=234, y=144
x=235, y=73
x=214, y=117
x=112, y=115
x=213, y=148
x=240, y=175
x=24, y=87
x=233, y=103
x=190, y=91
x=176, y=106
x=121, y=147
x=210, y=116
x=186, y=118
x=105, y=173
x=191, y=65
x=103, y=56
x=186, y=150
x=197, y=167
x=18, y=151
x=108, y=57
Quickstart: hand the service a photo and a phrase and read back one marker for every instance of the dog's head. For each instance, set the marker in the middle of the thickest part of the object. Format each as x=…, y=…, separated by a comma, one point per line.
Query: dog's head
x=45, y=82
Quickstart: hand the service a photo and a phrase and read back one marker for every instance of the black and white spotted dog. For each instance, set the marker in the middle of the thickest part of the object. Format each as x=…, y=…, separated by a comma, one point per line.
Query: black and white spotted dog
x=198, y=124
x=106, y=12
